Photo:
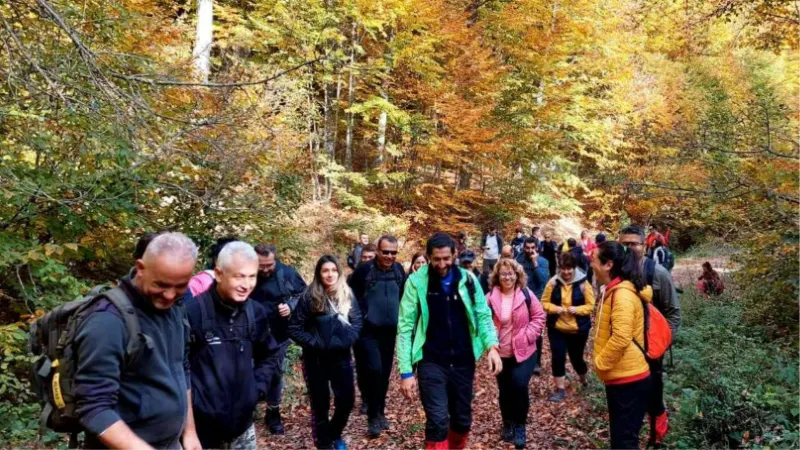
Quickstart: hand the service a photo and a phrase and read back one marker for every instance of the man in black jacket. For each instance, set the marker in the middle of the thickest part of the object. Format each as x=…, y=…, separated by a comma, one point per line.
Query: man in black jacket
x=229, y=350
x=147, y=405
x=378, y=286
x=277, y=289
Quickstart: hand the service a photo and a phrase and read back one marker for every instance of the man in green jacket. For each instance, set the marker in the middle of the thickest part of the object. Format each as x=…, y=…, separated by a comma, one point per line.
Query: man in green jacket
x=445, y=326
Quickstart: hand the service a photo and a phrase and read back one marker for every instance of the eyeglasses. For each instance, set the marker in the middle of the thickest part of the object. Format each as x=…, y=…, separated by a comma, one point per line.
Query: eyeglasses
x=389, y=252
x=508, y=275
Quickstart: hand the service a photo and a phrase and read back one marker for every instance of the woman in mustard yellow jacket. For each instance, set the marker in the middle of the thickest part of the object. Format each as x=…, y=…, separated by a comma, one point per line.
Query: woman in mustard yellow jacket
x=568, y=300
x=618, y=361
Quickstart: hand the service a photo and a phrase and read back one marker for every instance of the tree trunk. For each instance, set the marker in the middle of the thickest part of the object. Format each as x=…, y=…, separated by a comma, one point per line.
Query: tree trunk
x=204, y=39
x=384, y=90
x=464, y=177
x=351, y=92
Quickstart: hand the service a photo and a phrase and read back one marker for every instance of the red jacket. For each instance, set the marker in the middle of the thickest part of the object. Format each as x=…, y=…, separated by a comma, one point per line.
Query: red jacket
x=527, y=324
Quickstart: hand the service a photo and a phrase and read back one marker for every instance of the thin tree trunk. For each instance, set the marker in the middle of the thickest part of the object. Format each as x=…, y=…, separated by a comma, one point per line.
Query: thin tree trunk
x=351, y=91
x=384, y=90
x=204, y=39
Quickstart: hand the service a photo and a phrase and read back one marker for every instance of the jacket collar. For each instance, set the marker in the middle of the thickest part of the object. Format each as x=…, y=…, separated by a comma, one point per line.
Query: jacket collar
x=579, y=276
x=495, y=298
x=617, y=284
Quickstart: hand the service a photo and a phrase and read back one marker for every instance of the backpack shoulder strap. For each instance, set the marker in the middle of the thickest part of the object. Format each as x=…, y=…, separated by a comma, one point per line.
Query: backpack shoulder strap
x=280, y=277
x=120, y=300
x=207, y=313
x=649, y=270
x=250, y=314
x=398, y=274
x=471, y=288
x=528, y=299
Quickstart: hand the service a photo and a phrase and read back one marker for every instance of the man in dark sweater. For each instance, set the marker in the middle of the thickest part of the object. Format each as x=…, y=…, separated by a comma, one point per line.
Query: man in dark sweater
x=378, y=287
x=277, y=289
x=229, y=350
x=146, y=404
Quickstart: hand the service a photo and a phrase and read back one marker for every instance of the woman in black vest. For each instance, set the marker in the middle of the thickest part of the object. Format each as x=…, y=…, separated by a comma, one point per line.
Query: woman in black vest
x=568, y=300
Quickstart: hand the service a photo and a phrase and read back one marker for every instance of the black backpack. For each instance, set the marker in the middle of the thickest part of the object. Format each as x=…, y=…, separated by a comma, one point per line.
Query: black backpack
x=397, y=269
x=50, y=341
x=208, y=320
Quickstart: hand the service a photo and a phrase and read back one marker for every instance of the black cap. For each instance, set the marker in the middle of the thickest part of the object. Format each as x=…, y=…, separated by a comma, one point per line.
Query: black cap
x=466, y=256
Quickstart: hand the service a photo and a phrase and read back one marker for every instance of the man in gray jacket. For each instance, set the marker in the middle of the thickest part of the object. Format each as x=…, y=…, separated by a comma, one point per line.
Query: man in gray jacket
x=665, y=298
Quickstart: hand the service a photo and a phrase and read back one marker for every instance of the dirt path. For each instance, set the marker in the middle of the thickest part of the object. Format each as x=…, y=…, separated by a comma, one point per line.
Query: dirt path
x=564, y=425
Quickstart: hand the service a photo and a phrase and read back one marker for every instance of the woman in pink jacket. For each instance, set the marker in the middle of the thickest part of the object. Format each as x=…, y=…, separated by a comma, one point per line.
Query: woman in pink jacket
x=519, y=319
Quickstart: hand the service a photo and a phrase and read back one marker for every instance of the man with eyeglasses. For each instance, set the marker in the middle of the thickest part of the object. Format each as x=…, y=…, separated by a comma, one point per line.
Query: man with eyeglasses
x=665, y=298
x=378, y=286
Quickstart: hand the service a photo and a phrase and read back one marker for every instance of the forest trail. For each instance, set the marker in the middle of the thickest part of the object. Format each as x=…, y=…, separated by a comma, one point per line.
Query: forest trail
x=572, y=424
x=565, y=425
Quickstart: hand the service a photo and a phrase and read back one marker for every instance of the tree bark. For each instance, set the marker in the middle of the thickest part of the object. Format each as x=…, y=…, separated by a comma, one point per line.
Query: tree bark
x=204, y=39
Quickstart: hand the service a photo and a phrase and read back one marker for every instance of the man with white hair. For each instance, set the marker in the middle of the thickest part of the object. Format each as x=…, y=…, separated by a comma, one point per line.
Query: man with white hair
x=146, y=402
x=230, y=347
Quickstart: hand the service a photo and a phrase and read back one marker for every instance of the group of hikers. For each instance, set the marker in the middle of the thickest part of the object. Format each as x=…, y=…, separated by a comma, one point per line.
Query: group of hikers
x=210, y=346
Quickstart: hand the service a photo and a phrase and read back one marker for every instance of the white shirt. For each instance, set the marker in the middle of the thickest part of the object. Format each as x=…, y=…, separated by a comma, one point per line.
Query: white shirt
x=493, y=250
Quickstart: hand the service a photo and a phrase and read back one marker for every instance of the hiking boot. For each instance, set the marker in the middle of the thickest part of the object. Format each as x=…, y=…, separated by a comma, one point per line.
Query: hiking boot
x=363, y=409
x=558, y=396
x=519, y=436
x=272, y=420
x=507, y=433
x=384, y=422
x=374, y=427
x=339, y=444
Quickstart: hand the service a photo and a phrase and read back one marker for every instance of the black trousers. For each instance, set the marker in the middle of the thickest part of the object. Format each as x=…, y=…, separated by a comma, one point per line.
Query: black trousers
x=512, y=383
x=562, y=344
x=537, y=355
x=374, y=359
x=323, y=374
x=655, y=406
x=627, y=404
x=446, y=395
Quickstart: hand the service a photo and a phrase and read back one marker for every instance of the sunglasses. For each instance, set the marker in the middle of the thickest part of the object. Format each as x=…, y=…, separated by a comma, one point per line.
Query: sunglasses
x=389, y=252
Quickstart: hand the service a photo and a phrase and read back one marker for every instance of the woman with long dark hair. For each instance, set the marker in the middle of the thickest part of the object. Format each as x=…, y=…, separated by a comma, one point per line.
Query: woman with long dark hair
x=618, y=361
x=417, y=261
x=326, y=323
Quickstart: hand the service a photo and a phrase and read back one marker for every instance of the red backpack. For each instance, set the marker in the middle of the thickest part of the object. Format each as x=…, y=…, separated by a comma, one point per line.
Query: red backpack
x=657, y=333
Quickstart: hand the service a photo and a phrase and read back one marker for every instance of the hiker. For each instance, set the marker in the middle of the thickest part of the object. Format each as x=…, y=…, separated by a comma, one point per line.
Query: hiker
x=326, y=323
x=618, y=362
x=142, y=243
x=588, y=244
x=445, y=326
x=146, y=405
x=599, y=239
x=506, y=252
x=461, y=242
x=652, y=238
x=580, y=258
x=378, y=286
x=354, y=258
x=568, y=301
x=537, y=272
x=519, y=320
x=491, y=244
x=277, y=288
x=665, y=299
x=466, y=261
x=368, y=253
x=518, y=241
x=418, y=260
x=203, y=279
x=548, y=252
x=229, y=350
x=660, y=254
x=709, y=282
x=536, y=233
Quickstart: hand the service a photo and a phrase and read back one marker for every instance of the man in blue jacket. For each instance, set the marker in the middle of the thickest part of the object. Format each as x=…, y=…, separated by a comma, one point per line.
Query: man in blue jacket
x=538, y=271
x=277, y=289
x=230, y=345
x=148, y=404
